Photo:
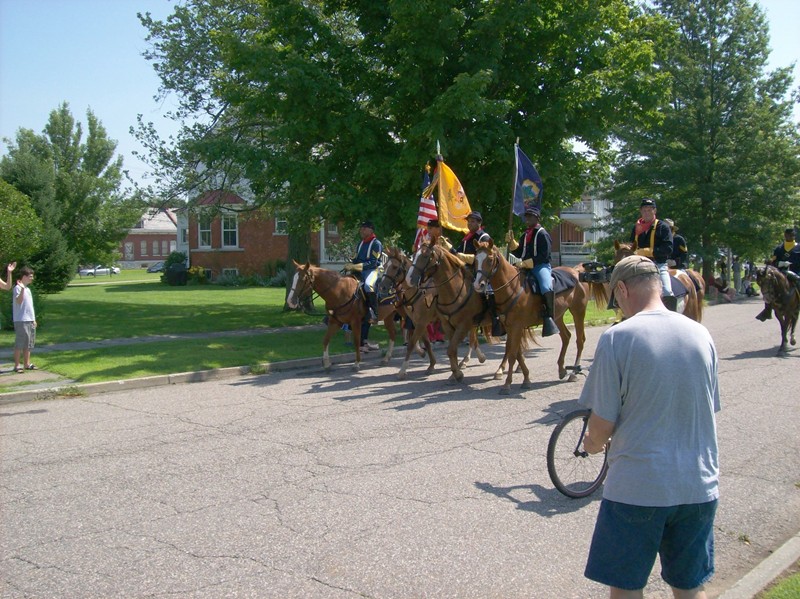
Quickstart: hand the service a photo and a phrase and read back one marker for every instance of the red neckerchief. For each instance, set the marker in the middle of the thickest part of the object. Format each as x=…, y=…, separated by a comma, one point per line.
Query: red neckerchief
x=529, y=233
x=368, y=239
x=642, y=226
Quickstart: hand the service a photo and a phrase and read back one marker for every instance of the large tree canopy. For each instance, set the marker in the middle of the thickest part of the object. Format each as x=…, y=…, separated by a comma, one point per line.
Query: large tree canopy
x=725, y=164
x=330, y=108
x=75, y=188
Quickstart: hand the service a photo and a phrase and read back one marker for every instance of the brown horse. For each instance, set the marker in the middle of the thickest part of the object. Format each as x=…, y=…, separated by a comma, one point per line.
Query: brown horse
x=344, y=304
x=412, y=301
x=523, y=309
x=695, y=286
x=457, y=306
x=782, y=295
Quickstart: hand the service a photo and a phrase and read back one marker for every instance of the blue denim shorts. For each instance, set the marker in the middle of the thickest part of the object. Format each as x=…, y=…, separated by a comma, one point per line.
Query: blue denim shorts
x=627, y=539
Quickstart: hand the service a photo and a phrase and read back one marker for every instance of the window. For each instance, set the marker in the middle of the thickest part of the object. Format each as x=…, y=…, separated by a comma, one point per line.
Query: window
x=333, y=228
x=165, y=247
x=184, y=236
x=230, y=230
x=156, y=245
x=230, y=272
x=281, y=225
x=143, y=248
x=204, y=230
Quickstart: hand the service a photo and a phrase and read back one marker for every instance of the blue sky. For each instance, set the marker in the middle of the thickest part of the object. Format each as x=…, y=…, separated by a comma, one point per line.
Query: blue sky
x=88, y=53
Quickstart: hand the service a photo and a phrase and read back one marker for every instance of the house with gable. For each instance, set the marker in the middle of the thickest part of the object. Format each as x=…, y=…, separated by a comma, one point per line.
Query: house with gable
x=224, y=235
x=151, y=240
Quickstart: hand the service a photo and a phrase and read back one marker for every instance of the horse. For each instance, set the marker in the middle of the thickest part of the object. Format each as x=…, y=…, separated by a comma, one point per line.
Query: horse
x=459, y=309
x=690, y=279
x=522, y=309
x=784, y=298
x=412, y=301
x=344, y=304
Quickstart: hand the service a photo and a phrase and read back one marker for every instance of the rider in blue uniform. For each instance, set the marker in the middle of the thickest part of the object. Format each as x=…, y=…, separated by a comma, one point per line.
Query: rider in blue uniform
x=786, y=257
x=653, y=239
x=366, y=262
x=533, y=249
x=466, y=247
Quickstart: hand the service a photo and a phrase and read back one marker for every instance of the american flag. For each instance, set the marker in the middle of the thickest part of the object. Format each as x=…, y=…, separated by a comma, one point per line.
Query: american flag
x=426, y=212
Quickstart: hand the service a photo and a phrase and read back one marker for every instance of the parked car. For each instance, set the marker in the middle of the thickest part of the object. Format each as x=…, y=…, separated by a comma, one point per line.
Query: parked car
x=157, y=267
x=98, y=270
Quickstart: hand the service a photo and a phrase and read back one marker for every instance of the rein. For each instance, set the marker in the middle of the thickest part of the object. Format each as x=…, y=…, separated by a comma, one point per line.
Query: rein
x=515, y=294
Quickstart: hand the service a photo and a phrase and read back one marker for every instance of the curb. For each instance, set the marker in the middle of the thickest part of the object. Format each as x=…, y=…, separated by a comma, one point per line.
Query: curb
x=69, y=389
x=767, y=571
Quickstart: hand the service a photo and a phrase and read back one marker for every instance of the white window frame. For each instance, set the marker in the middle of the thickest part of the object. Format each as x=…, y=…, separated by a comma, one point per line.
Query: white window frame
x=281, y=225
x=230, y=272
x=143, y=248
x=227, y=230
x=204, y=229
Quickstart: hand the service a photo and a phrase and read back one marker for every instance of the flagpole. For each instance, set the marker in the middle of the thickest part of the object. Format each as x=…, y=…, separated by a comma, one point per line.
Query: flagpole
x=513, y=192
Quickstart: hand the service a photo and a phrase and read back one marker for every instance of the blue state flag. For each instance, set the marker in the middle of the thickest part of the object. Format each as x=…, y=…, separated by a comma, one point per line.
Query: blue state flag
x=528, y=186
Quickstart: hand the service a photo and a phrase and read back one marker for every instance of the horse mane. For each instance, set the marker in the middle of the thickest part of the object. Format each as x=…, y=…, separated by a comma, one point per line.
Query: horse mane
x=451, y=258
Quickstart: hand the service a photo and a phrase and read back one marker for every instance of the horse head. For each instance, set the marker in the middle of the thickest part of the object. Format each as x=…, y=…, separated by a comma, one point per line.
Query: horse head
x=302, y=285
x=623, y=250
x=423, y=265
x=486, y=264
x=394, y=272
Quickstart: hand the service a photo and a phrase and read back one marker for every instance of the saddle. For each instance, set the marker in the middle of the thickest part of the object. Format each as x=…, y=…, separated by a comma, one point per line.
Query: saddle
x=561, y=282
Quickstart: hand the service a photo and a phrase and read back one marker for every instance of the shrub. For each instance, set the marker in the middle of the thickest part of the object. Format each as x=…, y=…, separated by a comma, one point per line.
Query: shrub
x=198, y=275
x=279, y=280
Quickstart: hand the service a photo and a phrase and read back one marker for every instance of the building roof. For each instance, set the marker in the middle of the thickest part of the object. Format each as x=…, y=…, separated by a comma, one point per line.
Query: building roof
x=219, y=197
x=157, y=219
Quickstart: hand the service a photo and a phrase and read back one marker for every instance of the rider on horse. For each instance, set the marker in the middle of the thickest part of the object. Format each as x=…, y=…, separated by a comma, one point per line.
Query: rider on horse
x=533, y=249
x=366, y=262
x=466, y=248
x=653, y=238
x=680, y=251
x=786, y=257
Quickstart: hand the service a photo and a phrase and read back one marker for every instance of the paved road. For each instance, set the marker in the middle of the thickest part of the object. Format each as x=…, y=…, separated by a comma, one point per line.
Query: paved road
x=356, y=485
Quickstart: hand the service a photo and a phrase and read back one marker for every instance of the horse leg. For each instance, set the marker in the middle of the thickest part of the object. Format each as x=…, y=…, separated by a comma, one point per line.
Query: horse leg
x=513, y=349
x=355, y=326
x=580, y=341
x=388, y=322
x=565, y=335
x=526, y=381
x=333, y=327
x=480, y=354
x=452, y=354
x=498, y=374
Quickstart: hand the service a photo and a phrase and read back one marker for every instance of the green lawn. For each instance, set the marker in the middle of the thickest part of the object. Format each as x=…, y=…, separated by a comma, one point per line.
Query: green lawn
x=137, y=304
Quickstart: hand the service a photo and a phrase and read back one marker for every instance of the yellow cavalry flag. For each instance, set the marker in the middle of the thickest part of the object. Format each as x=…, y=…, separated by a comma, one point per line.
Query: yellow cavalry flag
x=453, y=202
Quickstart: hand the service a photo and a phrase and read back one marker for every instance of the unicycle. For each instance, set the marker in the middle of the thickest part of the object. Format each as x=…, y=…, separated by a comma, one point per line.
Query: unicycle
x=573, y=471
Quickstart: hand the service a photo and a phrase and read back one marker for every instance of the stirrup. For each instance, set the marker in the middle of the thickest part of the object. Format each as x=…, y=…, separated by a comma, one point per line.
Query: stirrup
x=764, y=315
x=549, y=326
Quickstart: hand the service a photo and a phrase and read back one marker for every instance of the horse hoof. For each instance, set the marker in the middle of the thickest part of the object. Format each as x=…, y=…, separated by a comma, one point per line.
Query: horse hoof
x=505, y=391
x=792, y=342
x=572, y=378
x=385, y=362
x=430, y=370
x=526, y=385
x=499, y=375
x=356, y=367
x=401, y=376
x=481, y=359
x=562, y=374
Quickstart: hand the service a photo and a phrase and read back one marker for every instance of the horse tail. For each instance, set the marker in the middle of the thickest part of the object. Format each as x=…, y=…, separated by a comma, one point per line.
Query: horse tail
x=528, y=339
x=599, y=294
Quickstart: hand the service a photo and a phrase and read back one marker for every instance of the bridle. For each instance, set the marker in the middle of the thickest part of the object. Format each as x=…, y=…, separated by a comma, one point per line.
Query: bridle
x=307, y=280
x=396, y=275
x=488, y=273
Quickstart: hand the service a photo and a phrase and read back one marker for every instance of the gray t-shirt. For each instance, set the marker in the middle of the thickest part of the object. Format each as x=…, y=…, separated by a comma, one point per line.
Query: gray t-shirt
x=655, y=376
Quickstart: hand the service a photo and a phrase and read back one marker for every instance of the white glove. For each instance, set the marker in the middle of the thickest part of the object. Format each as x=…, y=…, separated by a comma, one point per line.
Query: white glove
x=784, y=264
x=671, y=263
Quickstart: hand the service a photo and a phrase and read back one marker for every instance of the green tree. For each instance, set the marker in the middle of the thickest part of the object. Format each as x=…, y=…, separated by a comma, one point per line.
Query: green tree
x=330, y=108
x=20, y=227
x=75, y=188
x=725, y=162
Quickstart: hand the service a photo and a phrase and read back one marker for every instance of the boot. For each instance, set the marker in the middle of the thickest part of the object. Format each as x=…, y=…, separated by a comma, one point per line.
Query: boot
x=372, y=303
x=671, y=302
x=548, y=324
x=765, y=314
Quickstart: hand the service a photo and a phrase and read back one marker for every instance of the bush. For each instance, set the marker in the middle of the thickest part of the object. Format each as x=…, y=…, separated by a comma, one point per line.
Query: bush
x=198, y=275
x=6, y=314
x=279, y=280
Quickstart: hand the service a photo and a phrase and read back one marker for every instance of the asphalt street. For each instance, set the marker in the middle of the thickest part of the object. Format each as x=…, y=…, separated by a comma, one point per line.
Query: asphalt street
x=354, y=484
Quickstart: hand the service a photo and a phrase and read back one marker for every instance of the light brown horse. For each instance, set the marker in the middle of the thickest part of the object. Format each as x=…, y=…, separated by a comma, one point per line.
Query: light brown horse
x=344, y=304
x=412, y=301
x=782, y=295
x=522, y=309
x=457, y=306
x=695, y=286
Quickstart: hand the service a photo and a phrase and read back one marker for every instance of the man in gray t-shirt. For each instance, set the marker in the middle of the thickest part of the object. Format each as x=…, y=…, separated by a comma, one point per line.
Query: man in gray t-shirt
x=653, y=385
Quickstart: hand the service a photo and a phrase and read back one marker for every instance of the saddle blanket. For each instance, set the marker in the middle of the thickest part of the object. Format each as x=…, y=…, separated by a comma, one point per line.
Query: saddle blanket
x=561, y=282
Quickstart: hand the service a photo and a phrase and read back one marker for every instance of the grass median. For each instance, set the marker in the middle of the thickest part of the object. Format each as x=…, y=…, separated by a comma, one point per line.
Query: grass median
x=135, y=304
